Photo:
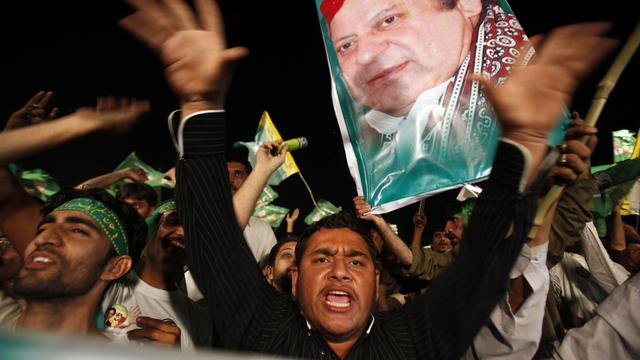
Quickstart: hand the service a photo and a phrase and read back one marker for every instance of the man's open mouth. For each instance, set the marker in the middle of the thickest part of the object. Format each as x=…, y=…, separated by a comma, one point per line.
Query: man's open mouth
x=338, y=300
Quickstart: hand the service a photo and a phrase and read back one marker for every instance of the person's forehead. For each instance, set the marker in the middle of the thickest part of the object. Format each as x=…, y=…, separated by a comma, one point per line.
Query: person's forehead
x=288, y=246
x=69, y=215
x=338, y=239
x=168, y=214
x=73, y=217
x=234, y=165
x=366, y=12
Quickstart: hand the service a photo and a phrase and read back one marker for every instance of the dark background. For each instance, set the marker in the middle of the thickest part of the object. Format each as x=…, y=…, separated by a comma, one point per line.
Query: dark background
x=77, y=50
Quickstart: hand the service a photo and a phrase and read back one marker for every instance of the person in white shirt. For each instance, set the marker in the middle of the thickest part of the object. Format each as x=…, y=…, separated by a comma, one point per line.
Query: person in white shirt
x=147, y=305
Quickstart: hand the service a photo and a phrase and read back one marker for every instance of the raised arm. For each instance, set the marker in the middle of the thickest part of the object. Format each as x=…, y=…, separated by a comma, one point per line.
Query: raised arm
x=392, y=241
x=30, y=130
x=244, y=200
x=527, y=106
x=419, y=222
x=134, y=174
x=197, y=67
x=19, y=143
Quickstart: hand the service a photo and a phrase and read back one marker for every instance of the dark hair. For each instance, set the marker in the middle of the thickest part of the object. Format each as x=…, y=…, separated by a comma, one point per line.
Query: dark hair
x=239, y=155
x=342, y=219
x=138, y=191
x=271, y=259
x=134, y=226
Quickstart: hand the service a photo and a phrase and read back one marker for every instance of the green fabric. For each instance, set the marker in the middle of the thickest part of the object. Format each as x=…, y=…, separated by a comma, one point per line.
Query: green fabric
x=267, y=131
x=36, y=182
x=623, y=143
x=152, y=220
x=623, y=176
x=107, y=220
x=271, y=214
x=155, y=178
x=267, y=196
x=323, y=210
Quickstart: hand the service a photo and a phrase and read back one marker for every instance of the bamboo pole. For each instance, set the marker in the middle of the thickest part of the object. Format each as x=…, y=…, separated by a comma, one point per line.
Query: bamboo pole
x=605, y=86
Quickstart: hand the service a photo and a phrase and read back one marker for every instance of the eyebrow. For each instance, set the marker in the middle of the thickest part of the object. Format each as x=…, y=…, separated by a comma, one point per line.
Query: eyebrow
x=332, y=252
x=79, y=220
x=371, y=21
x=70, y=220
x=357, y=253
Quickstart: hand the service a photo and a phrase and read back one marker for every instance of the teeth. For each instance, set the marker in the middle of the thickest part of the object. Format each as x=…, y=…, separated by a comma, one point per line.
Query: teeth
x=341, y=293
x=41, y=259
x=339, y=305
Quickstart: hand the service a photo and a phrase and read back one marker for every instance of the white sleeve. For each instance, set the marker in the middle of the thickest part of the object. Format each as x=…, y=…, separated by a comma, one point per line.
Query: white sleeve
x=517, y=336
x=612, y=333
x=607, y=273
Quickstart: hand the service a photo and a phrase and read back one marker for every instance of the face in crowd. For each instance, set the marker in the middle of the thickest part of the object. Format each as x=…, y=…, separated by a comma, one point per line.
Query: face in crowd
x=70, y=256
x=440, y=242
x=279, y=273
x=336, y=281
x=140, y=205
x=391, y=51
x=166, y=246
x=238, y=173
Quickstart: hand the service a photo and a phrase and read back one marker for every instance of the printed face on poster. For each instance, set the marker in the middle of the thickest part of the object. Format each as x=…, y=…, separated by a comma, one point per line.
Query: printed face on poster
x=413, y=121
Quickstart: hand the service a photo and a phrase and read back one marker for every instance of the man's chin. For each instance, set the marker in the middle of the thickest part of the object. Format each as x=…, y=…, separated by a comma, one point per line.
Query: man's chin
x=386, y=104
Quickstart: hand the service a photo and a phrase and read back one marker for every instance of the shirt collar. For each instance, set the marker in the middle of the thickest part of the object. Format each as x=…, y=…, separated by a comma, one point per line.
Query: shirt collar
x=386, y=124
x=373, y=319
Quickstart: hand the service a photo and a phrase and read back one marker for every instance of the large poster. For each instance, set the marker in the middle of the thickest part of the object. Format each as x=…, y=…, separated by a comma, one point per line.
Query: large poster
x=413, y=121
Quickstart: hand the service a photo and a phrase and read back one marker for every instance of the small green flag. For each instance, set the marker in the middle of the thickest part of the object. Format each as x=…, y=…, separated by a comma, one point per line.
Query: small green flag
x=323, y=210
x=623, y=143
x=36, y=182
x=271, y=214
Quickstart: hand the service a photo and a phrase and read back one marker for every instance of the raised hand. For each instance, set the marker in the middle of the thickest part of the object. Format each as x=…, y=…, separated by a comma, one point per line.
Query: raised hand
x=192, y=47
x=530, y=102
x=293, y=216
x=114, y=114
x=575, y=157
x=33, y=112
x=134, y=174
x=419, y=220
x=363, y=209
x=266, y=161
x=159, y=331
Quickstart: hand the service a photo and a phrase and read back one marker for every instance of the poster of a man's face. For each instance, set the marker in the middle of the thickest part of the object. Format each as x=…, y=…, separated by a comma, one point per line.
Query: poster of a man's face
x=390, y=51
x=413, y=119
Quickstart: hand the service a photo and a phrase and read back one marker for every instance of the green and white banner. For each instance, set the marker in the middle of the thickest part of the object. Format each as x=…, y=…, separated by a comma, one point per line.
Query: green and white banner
x=413, y=121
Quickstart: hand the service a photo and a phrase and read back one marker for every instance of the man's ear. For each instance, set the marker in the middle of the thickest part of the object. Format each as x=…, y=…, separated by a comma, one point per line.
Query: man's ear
x=470, y=8
x=268, y=273
x=294, y=280
x=116, y=268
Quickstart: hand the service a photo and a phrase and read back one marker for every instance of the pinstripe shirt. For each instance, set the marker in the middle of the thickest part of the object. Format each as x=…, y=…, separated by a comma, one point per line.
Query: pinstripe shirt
x=249, y=315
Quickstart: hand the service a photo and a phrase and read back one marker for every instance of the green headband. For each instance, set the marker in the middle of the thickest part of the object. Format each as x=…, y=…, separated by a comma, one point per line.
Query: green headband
x=106, y=219
x=152, y=220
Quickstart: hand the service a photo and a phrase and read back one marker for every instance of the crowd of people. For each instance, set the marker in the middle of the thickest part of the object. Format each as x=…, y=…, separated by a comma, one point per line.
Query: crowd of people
x=197, y=271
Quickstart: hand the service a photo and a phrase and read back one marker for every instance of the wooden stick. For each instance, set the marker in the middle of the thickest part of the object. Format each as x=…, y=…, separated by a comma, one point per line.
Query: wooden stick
x=600, y=98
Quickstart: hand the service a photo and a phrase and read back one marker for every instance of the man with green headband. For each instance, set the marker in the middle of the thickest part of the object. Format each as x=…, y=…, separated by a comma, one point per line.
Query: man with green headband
x=146, y=305
x=85, y=241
